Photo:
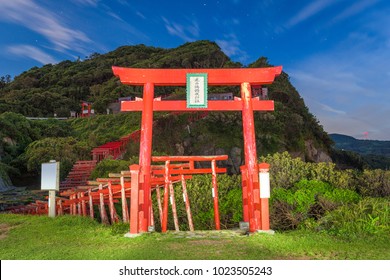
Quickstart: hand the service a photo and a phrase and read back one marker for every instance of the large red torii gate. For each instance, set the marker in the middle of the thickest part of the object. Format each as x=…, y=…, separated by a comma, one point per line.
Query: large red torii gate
x=256, y=211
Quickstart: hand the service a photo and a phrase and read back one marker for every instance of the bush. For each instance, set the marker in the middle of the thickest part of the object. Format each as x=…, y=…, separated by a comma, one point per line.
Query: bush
x=106, y=166
x=374, y=183
x=306, y=200
x=368, y=216
x=66, y=150
x=285, y=171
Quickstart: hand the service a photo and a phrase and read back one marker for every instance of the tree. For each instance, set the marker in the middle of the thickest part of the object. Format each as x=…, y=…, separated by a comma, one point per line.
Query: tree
x=66, y=150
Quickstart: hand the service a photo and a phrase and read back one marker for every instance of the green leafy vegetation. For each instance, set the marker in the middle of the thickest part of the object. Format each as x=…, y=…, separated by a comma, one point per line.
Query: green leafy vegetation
x=107, y=166
x=66, y=150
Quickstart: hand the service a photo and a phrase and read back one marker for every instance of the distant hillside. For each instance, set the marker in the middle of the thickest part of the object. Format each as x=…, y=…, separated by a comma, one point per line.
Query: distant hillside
x=363, y=147
x=373, y=153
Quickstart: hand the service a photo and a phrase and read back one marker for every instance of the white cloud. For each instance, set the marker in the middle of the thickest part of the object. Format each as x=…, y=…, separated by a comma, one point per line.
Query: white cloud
x=44, y=22
x=327, y=108
x=231, y=46
x=309, y=11
x=93, y=3
x=31, y=52
x=141, y=15
x=354, y=9
x=188, y=32
x=114, y=15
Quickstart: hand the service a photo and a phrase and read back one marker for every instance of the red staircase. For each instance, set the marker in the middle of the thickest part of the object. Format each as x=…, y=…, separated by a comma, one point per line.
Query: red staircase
x=79, y=174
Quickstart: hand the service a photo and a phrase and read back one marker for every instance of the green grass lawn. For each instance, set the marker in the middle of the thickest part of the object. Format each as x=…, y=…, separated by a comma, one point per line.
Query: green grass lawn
x=77, y=238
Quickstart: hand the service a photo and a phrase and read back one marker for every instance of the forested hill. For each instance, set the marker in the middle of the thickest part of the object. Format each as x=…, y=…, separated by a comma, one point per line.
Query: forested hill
x=59, y=88
x=363, y=147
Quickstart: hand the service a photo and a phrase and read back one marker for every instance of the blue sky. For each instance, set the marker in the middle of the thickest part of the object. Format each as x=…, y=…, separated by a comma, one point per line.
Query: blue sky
x=337, y=52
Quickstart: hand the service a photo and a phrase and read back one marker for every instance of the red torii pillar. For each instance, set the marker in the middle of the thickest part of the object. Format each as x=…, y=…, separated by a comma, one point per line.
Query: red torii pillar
x=245, y=77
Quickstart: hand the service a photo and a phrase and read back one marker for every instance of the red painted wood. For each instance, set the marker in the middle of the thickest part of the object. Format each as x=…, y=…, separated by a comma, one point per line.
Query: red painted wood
x=191, y=171
x=212, y=105
x=145, y=154
x=244, y=184
x=160, y=211
x=189, y=158
x=215, y=197
x=111, y=206
x=134, y=170
x=125, y=209
x=187, y=203
x=177, y=77
x=83, y=205
x=173, y=206
x=91, y=211
x=249, y=150
x=103, y=212
x=164, y=224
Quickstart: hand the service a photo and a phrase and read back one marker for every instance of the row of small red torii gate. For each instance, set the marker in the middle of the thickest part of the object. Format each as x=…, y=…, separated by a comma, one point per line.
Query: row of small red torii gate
x=255, y=208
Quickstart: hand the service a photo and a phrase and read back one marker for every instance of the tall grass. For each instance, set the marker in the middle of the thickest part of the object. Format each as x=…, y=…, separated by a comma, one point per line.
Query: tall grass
x=368, y=216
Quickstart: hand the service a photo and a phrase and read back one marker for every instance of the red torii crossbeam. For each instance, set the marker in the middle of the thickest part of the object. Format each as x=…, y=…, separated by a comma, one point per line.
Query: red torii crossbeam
x=254, y=206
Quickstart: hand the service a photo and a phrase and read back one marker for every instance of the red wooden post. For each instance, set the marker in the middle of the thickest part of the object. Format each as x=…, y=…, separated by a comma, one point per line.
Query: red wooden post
x=187, y=203
x=60, y=208
x=125, y=209
x=145, y=154
x=111, y=206
x=78, y=195
x=244, y=185
x=173, y=205
x=91, y=212
x=74, y=205
x=103, y=212
x=160, y=211
x=134, y=207
x=249, y=151
x=83, y=205
x=215, y=195
x=151, y=215
x=164, y=224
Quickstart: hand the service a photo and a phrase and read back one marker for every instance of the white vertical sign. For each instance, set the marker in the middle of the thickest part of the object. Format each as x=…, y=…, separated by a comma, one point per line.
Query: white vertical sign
x=264, y=185
x=50, y=176
x=197, y=90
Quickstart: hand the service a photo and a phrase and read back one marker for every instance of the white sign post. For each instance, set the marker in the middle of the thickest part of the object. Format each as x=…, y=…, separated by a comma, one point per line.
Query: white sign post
x=265, y=188
x=197, y=90
x=50, y=180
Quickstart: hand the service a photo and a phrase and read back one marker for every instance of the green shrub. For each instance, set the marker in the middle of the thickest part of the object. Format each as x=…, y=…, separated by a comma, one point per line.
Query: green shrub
x=306, y=200
x=374, y=183
x=285, y=171
x=66, y=150
x=368, y=216
x=106, y=166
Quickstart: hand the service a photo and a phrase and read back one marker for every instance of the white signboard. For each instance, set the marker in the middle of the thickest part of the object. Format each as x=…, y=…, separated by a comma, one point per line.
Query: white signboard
x=264, y=185
x=50, y=176
x=197, y=90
